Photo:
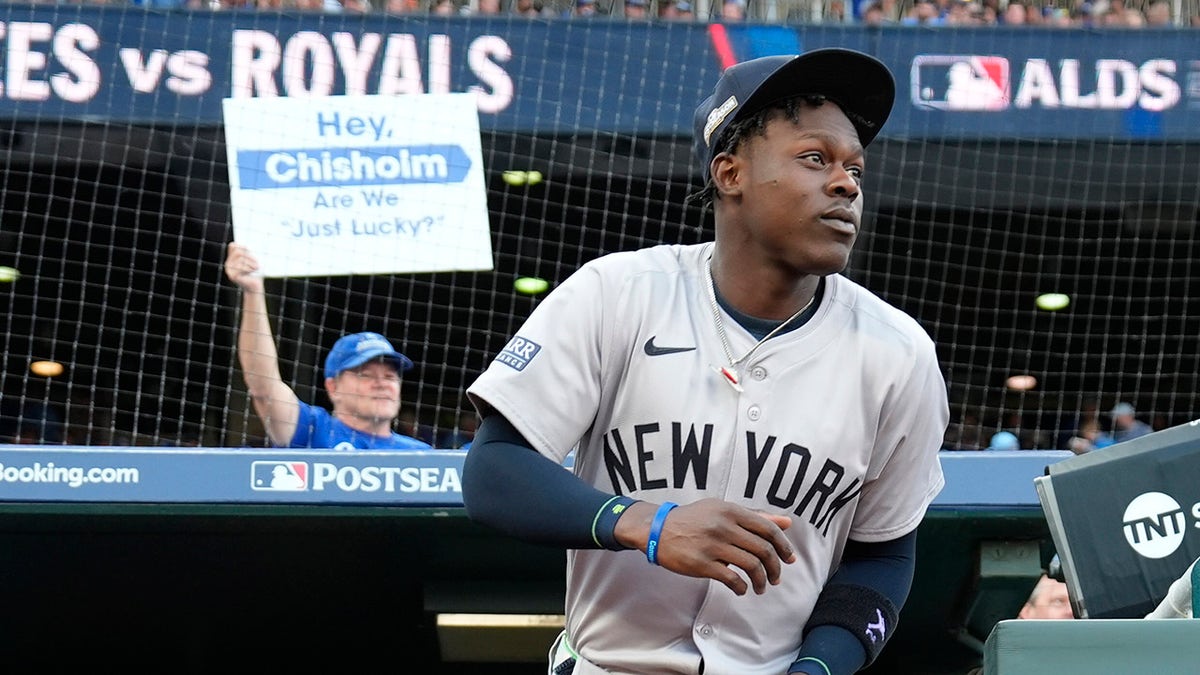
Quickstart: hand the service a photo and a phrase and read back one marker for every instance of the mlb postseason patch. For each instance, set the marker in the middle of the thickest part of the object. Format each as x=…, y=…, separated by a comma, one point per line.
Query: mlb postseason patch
x=518, y=353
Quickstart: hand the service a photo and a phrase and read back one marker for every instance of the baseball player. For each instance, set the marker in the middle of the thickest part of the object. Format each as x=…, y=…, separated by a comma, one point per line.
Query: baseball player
x=362, y=377
x=755, y=436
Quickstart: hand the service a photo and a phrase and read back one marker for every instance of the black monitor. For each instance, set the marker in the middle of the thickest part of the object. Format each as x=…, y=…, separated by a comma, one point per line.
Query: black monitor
x=1126, y=520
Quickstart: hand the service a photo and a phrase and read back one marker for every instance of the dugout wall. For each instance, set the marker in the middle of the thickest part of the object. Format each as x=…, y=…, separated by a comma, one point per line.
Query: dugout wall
x=209, y=586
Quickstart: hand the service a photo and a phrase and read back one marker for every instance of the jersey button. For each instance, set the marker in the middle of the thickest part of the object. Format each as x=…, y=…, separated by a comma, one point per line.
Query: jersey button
x=759, y=373
x=706, y=630
x=754, y=413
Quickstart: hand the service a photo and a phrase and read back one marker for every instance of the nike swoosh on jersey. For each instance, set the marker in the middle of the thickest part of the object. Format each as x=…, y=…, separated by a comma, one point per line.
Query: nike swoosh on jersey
x=654, y=350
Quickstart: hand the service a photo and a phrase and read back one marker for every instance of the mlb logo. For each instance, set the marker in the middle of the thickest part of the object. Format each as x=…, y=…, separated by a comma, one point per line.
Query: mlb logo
x=279, y=476
x=960, y=82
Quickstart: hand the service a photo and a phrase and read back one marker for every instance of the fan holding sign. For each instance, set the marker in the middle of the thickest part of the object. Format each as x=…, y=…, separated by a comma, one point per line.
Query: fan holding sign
x=347, y=185
x=363, y=373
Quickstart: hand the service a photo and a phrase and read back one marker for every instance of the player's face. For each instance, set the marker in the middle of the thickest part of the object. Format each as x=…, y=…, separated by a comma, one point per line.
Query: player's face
x=800, y=183
x=371, y=392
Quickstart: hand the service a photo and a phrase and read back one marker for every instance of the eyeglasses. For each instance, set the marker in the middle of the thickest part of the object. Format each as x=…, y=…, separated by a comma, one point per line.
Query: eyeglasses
x=364, y=376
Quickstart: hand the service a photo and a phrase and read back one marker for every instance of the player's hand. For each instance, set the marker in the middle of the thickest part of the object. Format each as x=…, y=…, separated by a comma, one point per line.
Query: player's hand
x=715, y=539
x=242, y=268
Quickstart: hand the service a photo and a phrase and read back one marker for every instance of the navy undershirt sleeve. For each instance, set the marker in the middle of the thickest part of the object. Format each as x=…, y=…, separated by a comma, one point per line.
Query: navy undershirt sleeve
x=886, y=567
x=510, y=486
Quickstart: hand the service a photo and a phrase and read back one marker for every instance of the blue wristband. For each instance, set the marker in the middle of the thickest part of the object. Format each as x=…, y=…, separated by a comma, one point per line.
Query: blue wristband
x=656, y=527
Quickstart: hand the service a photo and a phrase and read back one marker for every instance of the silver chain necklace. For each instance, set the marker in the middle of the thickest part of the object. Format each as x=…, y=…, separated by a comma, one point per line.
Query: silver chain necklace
x=729, y=372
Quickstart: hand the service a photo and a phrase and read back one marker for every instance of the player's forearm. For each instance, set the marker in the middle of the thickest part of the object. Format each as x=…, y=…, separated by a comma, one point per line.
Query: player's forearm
x=509, y=486
x=829, y=650
x=632, y=530
x=867, y=591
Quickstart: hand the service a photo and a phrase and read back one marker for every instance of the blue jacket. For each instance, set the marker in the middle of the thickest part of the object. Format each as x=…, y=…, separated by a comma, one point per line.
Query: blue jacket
x=316, y=428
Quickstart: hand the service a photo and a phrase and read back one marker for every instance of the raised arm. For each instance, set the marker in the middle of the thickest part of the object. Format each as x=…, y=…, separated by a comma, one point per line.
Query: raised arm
x=274, y=401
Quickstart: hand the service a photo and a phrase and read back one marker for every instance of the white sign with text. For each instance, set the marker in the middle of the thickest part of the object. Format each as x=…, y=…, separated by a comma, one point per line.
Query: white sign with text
x=363, y=184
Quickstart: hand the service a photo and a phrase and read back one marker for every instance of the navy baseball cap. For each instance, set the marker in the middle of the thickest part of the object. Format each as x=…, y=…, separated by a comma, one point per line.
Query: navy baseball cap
x=859, y=83
x=351, y=351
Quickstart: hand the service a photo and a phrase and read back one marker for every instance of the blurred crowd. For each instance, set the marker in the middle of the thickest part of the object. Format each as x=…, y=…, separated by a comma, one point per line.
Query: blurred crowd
x=1053, y=13
x=1086, y=431
x=1073, y=13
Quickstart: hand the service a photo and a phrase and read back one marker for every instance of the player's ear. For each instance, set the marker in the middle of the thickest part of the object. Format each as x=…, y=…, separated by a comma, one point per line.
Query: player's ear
x=331, y=386
x=726, y=173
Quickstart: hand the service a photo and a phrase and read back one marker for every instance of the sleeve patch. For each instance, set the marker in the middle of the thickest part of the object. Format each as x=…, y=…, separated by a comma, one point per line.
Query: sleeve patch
x=518, y=353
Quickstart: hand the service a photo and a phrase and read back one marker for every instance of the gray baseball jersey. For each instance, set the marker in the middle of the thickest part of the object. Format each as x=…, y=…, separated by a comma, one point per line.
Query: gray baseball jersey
x=838, y=425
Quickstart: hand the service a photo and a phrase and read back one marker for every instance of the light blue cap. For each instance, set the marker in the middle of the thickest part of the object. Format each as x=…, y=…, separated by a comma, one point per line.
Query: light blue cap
x=1122, y=408
x=1004, y=440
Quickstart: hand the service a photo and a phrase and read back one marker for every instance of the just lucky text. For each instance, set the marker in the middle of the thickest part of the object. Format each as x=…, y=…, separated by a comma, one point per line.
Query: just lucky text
x=357, y=227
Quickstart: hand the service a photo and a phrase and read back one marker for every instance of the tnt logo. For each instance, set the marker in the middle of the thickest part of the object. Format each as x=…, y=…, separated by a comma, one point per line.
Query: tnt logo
x=279, y=476
x=960, y=82
x=518, y=353
x=1154, y=525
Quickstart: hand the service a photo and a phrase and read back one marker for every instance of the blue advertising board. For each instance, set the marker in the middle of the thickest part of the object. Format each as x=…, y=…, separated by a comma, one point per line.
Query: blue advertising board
x=408, y=478
x=129, y=65
x=175, y=475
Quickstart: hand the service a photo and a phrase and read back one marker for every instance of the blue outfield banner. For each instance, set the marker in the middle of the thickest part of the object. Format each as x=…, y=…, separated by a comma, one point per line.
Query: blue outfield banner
x=127, y=65
x=67, y=474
